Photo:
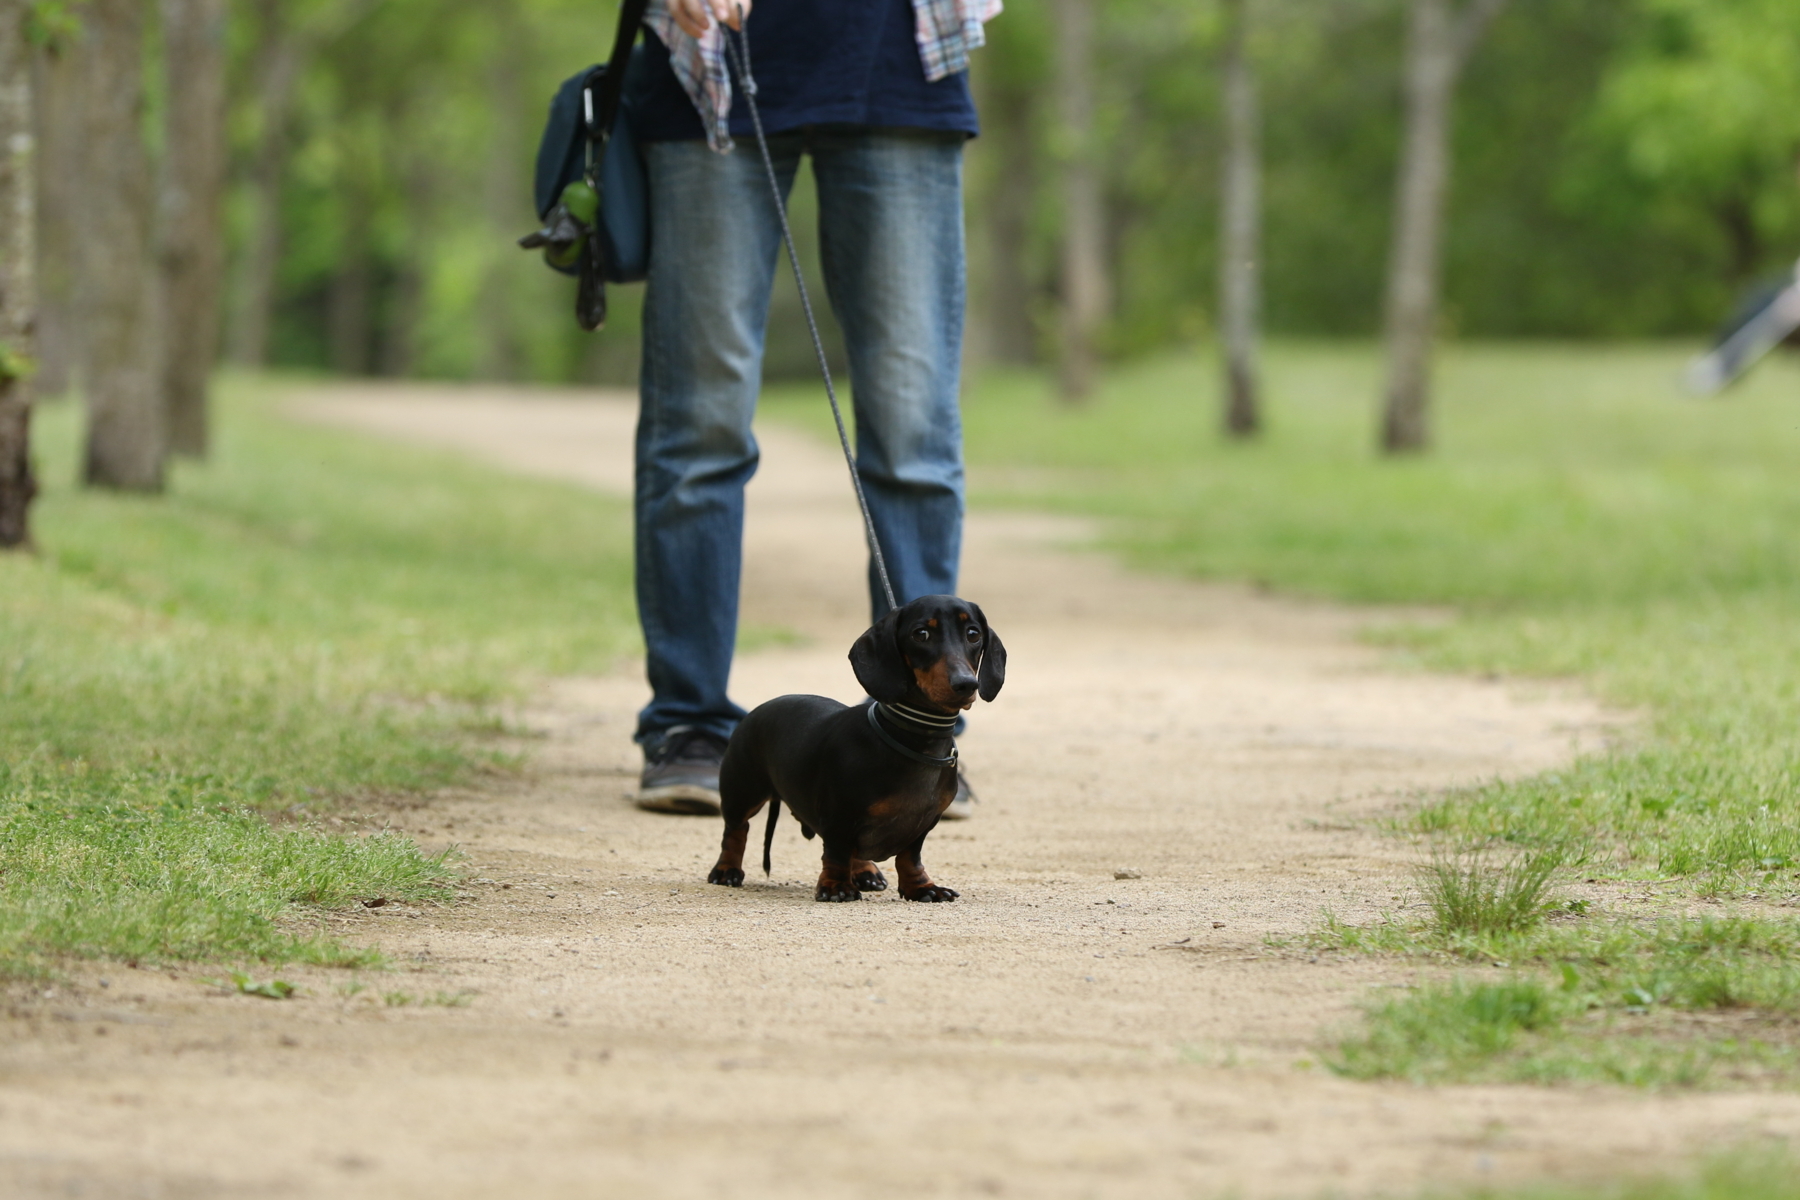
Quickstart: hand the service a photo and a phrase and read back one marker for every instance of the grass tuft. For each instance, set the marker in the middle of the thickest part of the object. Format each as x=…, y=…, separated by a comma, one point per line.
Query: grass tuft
x=1470, y=894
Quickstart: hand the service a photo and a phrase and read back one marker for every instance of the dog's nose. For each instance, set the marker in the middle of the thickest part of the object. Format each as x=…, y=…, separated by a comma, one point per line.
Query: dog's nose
x=963, y=683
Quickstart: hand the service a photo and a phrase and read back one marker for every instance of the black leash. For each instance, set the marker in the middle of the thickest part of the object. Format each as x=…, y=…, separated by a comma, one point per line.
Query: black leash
x=740, y=58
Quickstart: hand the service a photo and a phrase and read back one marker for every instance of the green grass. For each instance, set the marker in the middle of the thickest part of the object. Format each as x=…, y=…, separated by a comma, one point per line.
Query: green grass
x=1752, y=1172
x=1579, y=518
x=1680, y=1001
x=305, y=618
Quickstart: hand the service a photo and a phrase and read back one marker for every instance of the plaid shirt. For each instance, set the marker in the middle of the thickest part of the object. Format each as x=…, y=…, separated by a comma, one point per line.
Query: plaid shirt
x=946, y=31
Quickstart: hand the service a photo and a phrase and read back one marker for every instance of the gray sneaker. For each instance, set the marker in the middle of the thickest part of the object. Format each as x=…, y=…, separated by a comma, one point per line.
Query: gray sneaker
x=963, y=806
x=681, y=773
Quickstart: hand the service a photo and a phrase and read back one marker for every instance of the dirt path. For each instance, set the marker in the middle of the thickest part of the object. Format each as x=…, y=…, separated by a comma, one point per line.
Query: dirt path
x=1058, y=1032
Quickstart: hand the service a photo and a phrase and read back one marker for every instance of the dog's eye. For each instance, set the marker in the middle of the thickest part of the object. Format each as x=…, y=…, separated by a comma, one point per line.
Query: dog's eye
x=973, y=634
x=921, y=634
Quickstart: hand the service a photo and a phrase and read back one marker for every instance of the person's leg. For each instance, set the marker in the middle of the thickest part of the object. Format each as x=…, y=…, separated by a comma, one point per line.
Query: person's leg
x=891, y=237
x=714, y=240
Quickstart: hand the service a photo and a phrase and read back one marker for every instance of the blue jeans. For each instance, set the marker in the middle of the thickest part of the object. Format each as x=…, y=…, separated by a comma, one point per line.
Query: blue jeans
x=891, y=236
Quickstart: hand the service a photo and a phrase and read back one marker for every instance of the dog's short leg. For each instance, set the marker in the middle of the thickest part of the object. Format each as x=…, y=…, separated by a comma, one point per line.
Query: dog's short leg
x=867, y=876
x=915, y=884
x=729, y=870
x=835, y=881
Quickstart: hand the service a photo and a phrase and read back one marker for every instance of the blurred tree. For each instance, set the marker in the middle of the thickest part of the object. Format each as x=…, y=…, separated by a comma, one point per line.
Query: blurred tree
x=1161, y=127
x=501, y=356
x=1006, y=183
x=1083, y=285
x=289, y=34
x=274, y=69
x=118, y=290
x=1699, y=115
x=57, y=95
x=403, y=176
x=1440, y=39
x=190, y=231
x=1239, y=230
x=18, y=262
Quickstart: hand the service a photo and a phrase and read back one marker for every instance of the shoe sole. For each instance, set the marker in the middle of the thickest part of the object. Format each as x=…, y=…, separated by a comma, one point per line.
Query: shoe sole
x=682, y=799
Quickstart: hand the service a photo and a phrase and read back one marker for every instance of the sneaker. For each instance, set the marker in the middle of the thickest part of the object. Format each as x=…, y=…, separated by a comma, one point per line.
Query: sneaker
x=681, y=773
x=963, y=806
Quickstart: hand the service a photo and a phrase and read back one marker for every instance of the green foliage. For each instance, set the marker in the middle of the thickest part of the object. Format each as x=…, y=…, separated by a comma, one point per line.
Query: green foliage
x=1622, y=169
x=411, y=143
x=52, y=23
x=14, y=365
x=306, y=617
x=1698, y=115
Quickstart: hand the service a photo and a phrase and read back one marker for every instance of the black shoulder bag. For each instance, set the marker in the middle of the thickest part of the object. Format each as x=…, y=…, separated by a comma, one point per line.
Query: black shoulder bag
x=589, y=184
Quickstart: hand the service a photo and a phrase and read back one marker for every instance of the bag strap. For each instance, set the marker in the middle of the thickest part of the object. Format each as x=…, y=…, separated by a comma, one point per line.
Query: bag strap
x=612, y=83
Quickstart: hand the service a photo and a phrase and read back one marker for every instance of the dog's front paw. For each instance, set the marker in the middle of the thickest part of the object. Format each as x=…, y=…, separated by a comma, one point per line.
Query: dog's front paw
x=836, y=893
x=727, y=876
x=931, y=893
x=871, y=880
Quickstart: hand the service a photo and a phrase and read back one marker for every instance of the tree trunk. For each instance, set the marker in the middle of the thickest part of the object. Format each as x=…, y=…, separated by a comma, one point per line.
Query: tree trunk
x=1239, y=285
x=119, y=292
x=1439, y=43
x=399, y=334
x=278, y=60
x=501, y=355
x=1007, y=297
x=192, y=211
x=350, y=312
x=57, y=99
x=18, y=264
x=1084, y=288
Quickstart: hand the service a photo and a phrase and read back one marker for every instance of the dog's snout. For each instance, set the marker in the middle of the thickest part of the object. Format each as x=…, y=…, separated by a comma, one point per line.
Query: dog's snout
x=963, y=682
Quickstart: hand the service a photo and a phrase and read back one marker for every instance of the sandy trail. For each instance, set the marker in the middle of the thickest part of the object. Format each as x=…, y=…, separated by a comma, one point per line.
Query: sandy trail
x=1057, y=1032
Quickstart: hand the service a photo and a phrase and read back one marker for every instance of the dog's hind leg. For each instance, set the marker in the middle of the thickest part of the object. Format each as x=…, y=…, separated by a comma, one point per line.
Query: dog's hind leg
x=743, y=790
x=729, y=870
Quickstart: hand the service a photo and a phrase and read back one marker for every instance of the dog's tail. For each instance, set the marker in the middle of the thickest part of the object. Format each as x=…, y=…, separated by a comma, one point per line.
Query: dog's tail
x=769, y=830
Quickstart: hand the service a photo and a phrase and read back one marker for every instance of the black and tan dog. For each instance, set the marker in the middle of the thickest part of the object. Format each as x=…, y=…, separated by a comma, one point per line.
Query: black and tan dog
x=871, y=780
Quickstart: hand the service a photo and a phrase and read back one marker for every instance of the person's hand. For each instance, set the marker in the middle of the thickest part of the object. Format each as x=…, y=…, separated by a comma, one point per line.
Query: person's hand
x=695, y=17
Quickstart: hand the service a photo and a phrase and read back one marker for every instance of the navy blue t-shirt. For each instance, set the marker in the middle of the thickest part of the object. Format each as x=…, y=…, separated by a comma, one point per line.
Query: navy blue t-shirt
x=816, y=62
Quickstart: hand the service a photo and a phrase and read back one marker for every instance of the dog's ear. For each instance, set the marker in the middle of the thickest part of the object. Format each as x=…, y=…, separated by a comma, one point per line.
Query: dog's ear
x=876, y=660
x=993, y=658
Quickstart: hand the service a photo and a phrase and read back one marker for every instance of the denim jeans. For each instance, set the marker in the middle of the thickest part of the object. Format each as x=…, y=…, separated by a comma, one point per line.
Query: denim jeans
x=891, y=237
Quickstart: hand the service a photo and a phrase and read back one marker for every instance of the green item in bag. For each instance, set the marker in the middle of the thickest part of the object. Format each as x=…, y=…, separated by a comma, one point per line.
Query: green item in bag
x=567, y=226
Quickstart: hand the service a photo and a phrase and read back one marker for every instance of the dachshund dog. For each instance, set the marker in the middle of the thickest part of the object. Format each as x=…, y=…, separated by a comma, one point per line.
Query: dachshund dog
x=871, y=779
